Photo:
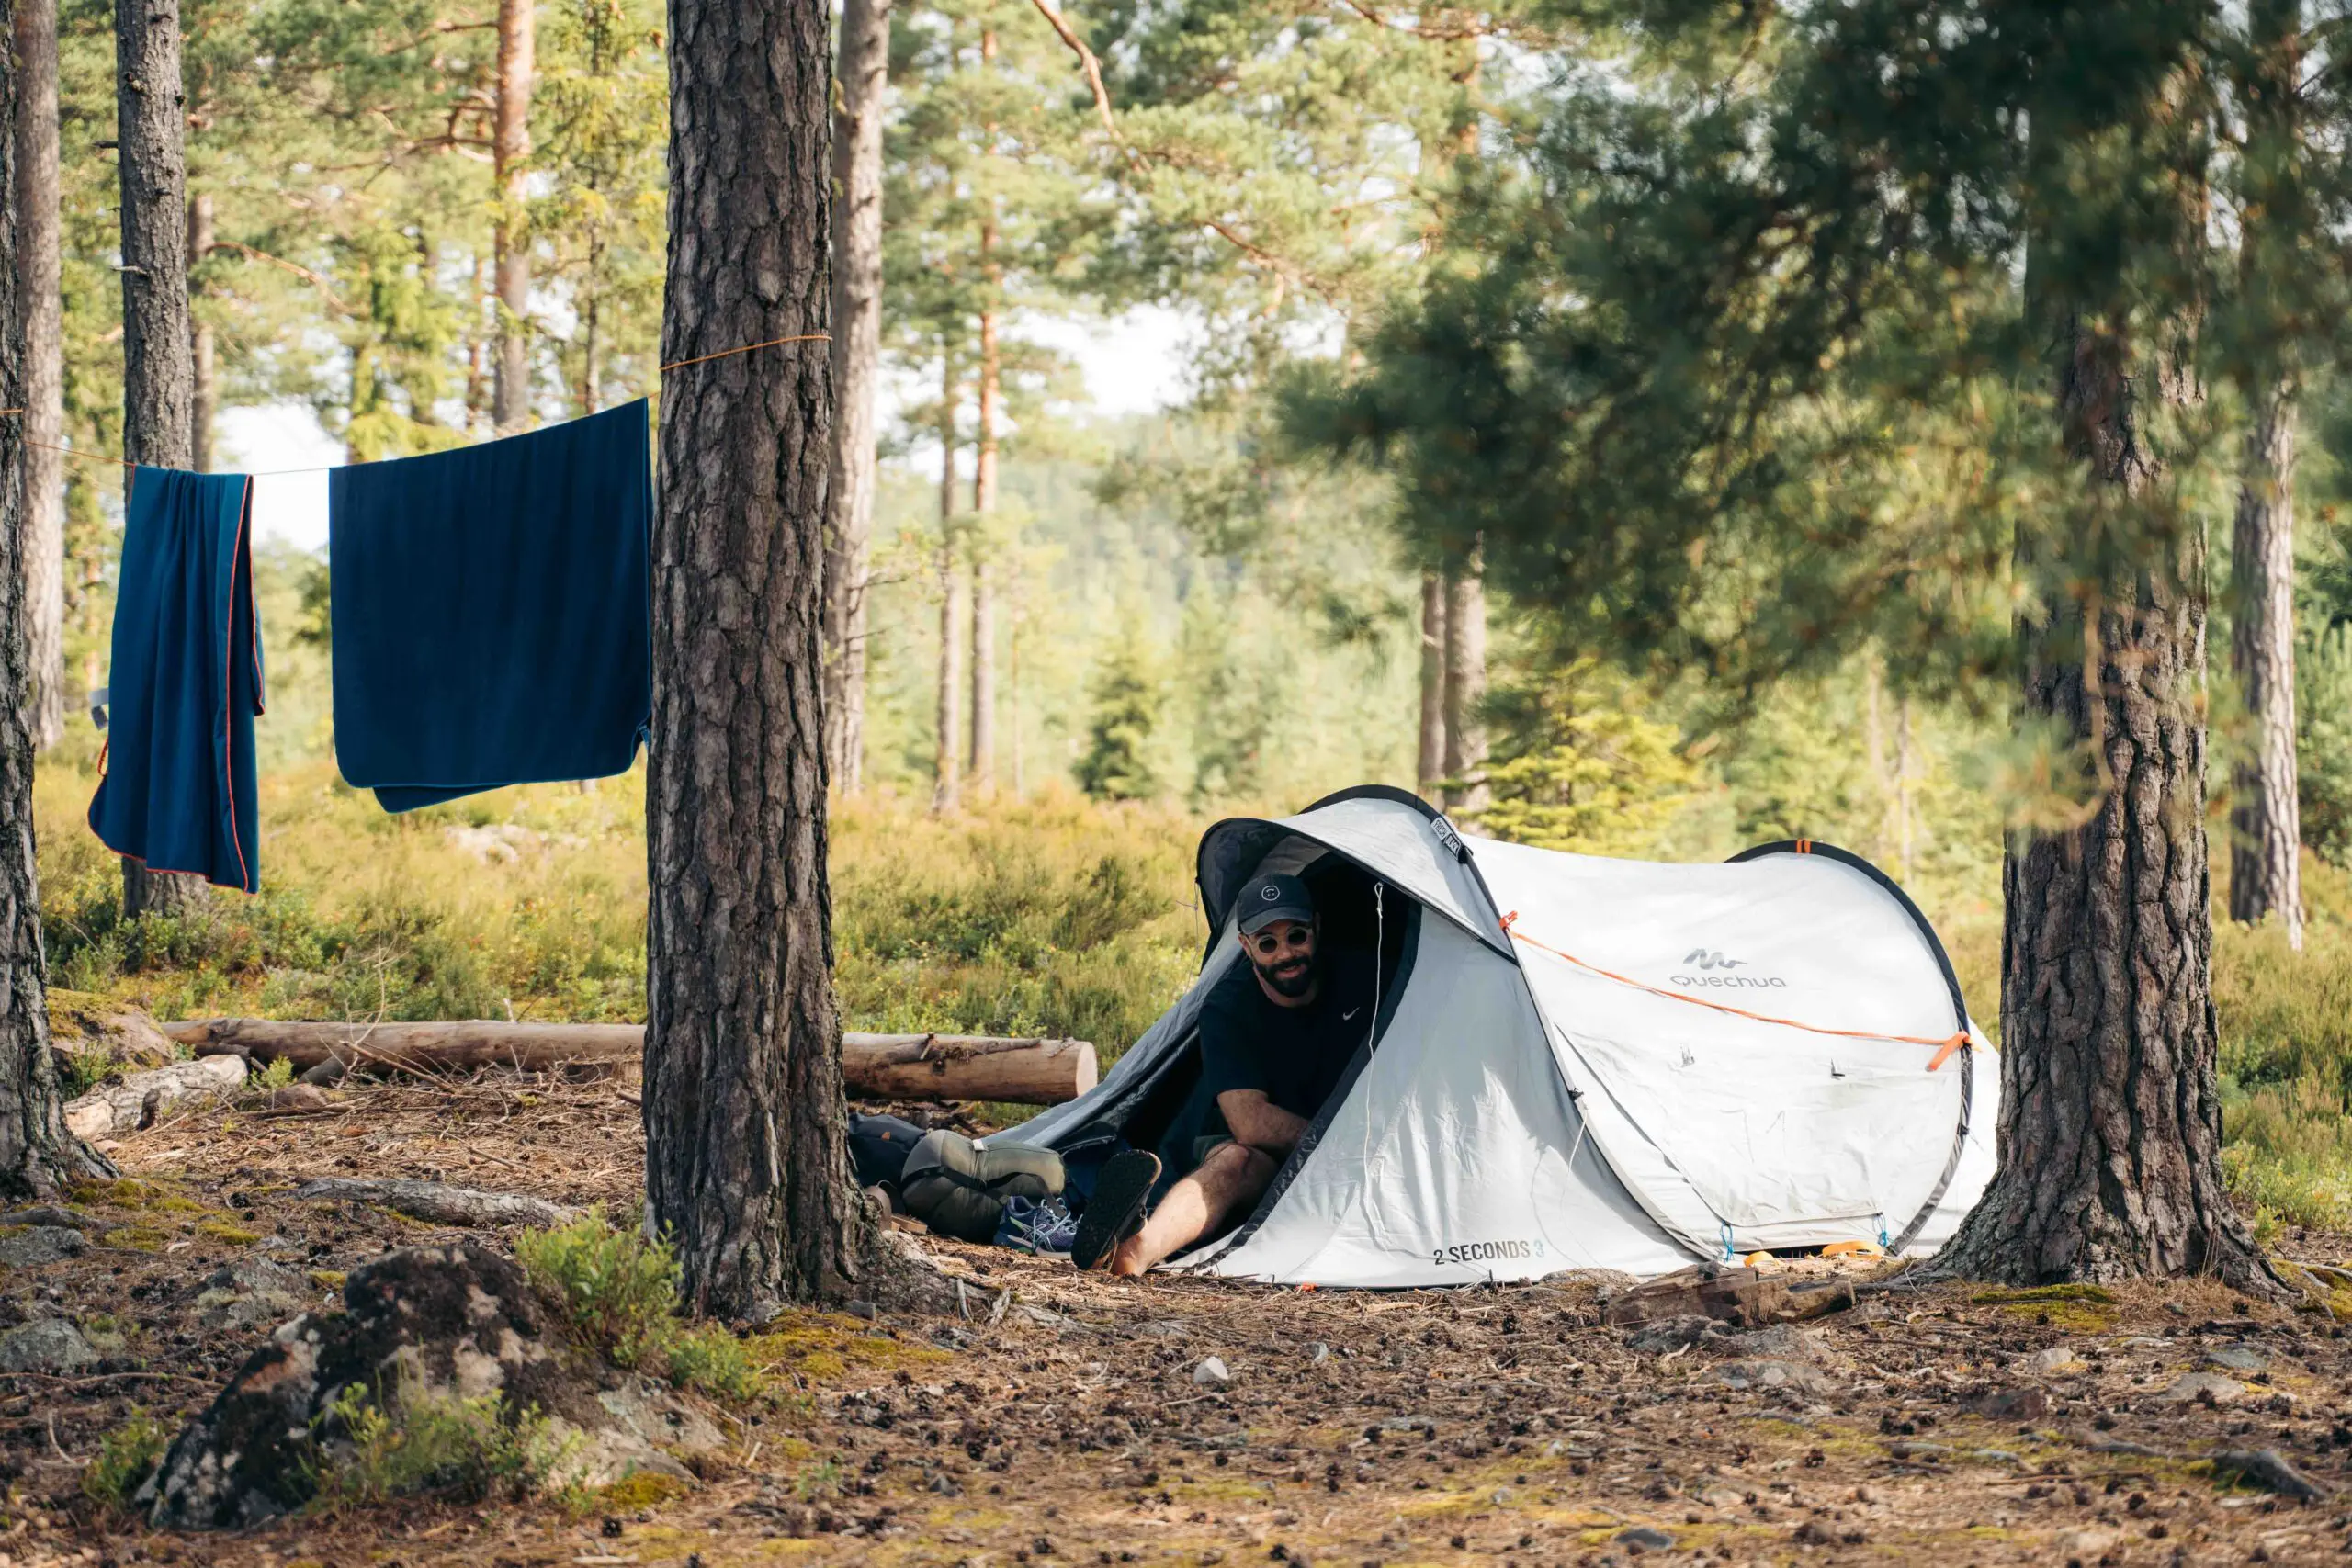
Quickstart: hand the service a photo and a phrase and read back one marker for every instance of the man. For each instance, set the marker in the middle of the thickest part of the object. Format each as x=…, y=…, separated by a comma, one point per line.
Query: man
x=1276, y=1032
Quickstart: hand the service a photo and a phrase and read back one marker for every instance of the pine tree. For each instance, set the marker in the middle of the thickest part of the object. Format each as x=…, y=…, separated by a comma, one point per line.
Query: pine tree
x=1128, y=702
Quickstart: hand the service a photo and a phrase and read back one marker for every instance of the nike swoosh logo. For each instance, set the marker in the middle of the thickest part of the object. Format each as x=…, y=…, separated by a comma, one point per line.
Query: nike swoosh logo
x=1349, y=1014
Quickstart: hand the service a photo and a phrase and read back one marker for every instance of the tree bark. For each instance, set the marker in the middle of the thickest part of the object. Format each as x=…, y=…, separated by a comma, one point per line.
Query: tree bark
x=857, y=368
x=947, y=755
x=2110, y=1128
x=983, y=775
x=2266, y=818
x=37, y=1154
x=1430, y=758
x=1465, y=683
x=158, y=363
x=204, y=393
x=746, y=1162
x=41, y=322
x=510, y=407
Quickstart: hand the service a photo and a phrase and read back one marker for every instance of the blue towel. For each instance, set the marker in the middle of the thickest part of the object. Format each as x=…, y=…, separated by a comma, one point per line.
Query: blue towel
x=186, y=681
x=491, y=611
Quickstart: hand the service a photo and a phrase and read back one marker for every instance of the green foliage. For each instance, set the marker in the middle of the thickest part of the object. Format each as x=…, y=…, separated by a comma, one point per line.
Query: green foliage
x=276, y=1076
x=127, y=1455
x=1128, y=702
x=467, y=1450
x=2324, y=741
x=617, y=1286
x=712, y=1360
x=1583, y=771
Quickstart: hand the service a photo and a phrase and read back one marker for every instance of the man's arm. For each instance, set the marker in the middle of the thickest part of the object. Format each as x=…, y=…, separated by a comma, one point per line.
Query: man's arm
x=1260, y=1123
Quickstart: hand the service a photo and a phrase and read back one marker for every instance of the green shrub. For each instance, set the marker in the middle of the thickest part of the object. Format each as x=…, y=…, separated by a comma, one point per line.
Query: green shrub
x=617, y=1288
x=712, y=1360
x=127, y=1455
x=276, y=1076
x=460, y=1448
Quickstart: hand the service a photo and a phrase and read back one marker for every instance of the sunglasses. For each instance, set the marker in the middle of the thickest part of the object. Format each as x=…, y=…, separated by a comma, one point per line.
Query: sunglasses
x=1267, y=944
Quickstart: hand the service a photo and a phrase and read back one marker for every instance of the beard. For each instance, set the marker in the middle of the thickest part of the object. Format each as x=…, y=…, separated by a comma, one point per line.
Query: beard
x=1290, y=977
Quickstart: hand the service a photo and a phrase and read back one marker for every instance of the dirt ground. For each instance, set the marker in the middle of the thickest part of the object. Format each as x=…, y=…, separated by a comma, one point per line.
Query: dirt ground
x=1063, y=1421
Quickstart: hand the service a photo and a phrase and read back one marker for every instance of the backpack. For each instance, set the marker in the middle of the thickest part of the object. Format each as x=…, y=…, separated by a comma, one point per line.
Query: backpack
x=878, y=1147
x=958, y=1188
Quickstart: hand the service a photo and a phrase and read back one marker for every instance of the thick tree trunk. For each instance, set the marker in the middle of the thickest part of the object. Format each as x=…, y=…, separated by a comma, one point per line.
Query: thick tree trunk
x=947, y=751
x=37, y=1154
x=158, y=364
x=1465, y=683
x=2110, y=1128
x=510, y=405
x=204, y=392
x=2266, y=818
x=983, y=775
x=41, y=321
x=857, y=367
x=746, y=1163
x=1429, y=765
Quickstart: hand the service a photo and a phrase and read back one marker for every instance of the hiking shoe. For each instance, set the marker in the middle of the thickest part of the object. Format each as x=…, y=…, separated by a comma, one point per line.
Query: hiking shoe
x=1122, y=1194
x=1032, y=1225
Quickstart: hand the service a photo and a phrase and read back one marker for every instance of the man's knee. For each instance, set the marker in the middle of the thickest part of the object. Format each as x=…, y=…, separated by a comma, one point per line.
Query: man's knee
x=1247, y=1169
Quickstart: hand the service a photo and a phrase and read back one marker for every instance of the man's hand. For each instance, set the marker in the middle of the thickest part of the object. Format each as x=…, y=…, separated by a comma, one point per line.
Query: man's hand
x=1260, y=1123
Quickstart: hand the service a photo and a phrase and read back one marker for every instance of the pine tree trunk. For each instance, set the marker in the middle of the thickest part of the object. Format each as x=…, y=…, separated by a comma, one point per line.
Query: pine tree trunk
x=1465, y=683
x=857, y=367
x=2110, y=1127
x=2266, y=818
x=41, y=321
x=204, y=397
x=158, y=367
x=1429, y=765
x=510, y=405
x=746, y=1164
x=948, y=746
x=37, y=1154
x=983, y=775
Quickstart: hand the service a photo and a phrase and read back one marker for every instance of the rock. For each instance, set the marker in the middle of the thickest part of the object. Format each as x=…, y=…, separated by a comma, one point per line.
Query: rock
x=1645, y=1538
x=1211, y=1373
x=2090, y=1545
x=1782, y=1342
x=2237, y=1359
x=1672, y=1333
x=252, y=1293
x=2057, y=1359
x=2265, y=1469
x=45, y=1344
x=38, y=1245
x=865, y=1310
x=2028, y=1403
x=1795, y=1376
x=301, y=1098
x=2199, y=1386
x=115, y=1109
x=91, y=1028
x=424, y=1324
x=1161, y=1329
x=1318, y=1353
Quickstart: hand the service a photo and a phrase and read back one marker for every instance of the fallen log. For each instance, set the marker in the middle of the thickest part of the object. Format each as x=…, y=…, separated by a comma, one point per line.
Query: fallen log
x=1741, y=1297
x=439, y=1203
x=141, y=1099
x=874, y=1066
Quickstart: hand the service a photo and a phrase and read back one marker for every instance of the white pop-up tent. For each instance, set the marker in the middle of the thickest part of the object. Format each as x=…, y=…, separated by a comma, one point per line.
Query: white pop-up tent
x=1587, y=1063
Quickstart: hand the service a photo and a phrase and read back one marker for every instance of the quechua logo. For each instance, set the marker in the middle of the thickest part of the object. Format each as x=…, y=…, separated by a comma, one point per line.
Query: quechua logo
x=1708, y=968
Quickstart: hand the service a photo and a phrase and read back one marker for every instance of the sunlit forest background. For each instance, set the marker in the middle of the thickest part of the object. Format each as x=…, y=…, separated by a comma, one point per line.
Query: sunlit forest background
x=1199, y=611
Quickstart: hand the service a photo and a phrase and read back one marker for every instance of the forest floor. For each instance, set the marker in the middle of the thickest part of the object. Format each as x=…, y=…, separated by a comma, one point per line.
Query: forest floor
x=1066, y=1426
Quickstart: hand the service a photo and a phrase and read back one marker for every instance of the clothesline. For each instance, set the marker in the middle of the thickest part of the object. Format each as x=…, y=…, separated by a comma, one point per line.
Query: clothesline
x=329, y=468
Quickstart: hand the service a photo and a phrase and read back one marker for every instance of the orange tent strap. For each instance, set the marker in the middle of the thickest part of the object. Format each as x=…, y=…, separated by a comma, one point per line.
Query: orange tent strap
x=1948, y=1044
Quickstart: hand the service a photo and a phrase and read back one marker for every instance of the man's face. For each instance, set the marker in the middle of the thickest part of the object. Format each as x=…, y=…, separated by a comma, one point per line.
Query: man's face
x=1284, y=954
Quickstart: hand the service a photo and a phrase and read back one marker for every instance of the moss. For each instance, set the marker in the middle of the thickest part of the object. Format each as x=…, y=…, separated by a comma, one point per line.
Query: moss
x=328, y=1279
x=138, y=1239
x=126, y=1193
x=820, y=1346
x=221, y=1230
x=642, y=1490
x=2077, y=1309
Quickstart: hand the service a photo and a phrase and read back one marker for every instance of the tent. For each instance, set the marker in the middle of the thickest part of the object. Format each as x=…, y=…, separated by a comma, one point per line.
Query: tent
x=1587, y=1063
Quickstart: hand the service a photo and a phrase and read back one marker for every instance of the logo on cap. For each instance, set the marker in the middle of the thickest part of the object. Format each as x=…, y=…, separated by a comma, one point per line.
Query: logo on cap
x=1270, y=893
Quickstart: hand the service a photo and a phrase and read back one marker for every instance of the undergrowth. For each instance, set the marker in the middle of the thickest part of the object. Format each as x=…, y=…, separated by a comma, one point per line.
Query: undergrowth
x=618, y=1289
x=447, y=1445
x=127, y=1455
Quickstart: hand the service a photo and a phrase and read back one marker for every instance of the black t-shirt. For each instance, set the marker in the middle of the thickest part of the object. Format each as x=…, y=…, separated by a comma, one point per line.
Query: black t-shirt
x=1294, y=1055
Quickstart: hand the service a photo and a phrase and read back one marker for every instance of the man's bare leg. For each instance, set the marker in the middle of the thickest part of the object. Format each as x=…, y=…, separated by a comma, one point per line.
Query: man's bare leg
x=1232, y=1177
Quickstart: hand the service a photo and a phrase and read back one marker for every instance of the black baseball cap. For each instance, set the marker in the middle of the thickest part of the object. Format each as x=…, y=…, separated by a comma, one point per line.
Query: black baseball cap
x=1271, y=899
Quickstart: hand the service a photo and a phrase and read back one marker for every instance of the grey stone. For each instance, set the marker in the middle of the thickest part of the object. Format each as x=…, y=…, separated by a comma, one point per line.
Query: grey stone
x=1160, y=1328
x=2237, y=1359
x=2199, y=1385
x=1646, y=1537
x=1782, y=1342
x=39, y=1244
x=1795, y=1376
x=252, y=1293
x=1318, y=1353
x=1212, y=1373
x=1672, y=1333
x=2057, y=1359
x=45, y=1344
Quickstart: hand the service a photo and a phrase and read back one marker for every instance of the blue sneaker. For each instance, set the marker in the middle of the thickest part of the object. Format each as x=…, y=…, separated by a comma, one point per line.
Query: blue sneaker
x=1032, y=1224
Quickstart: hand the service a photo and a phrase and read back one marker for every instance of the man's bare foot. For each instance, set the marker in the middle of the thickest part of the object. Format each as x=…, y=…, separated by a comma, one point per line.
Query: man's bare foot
x=1129, y=1259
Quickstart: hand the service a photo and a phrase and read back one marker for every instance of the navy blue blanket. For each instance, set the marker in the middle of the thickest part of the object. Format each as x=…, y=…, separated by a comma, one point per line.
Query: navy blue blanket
x=491, y=611
x=186, y=681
